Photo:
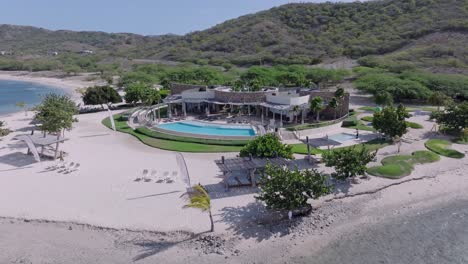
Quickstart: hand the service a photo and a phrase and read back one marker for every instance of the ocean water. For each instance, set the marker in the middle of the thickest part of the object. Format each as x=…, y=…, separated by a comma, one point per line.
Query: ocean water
x=12, y=92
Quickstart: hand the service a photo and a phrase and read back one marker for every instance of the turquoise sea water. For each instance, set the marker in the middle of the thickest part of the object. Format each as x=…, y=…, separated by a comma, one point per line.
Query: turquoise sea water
x=193, y=127
x=12, y=92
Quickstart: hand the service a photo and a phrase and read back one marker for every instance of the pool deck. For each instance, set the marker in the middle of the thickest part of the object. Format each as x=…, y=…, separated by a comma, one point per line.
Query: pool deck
x=323, y=132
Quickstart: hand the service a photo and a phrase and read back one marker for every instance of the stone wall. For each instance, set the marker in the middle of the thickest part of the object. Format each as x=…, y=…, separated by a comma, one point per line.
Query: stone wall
x=178, y=88
x=240, y=97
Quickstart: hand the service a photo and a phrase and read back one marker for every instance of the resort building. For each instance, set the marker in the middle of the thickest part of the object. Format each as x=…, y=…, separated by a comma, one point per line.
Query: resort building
x=269, y=104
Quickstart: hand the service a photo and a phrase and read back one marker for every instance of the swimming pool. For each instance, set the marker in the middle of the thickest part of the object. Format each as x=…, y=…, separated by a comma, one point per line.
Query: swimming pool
x=201, y=128
x=342, y=137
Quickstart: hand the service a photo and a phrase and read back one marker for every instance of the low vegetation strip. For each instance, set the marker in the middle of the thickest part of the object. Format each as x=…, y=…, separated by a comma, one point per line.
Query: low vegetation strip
x=442, y=147
x=396, y=167
x=165, y=144
x=409, y=124
x=371, y=145
x=155, y=134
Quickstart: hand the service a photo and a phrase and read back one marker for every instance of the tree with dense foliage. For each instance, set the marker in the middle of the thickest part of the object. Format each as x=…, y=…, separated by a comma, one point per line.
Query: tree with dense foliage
x=348, y=162
x=383, y=98
x=438, y=99
x=267, y=146
x=198, y=198
x=316, y=106
x=101, y=95
x=391, y=121
x=285, y=189
x=454, y=118
x=55, y=113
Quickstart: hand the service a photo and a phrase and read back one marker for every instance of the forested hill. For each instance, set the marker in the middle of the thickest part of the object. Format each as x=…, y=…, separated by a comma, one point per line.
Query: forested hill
x=290, y=34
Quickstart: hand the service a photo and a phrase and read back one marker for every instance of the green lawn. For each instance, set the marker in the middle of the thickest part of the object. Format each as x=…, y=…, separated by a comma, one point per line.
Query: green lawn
x=155, y=134
x=166, y=144
x=414, y=125
x=391, y=171
x=398, y=166
x=353, y=123
x=409, y=124
x=442, y=147
x=371, y=145
x=368, y=108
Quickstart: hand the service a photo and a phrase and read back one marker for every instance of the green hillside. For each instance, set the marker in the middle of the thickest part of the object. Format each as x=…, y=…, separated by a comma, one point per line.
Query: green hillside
x=304, y=33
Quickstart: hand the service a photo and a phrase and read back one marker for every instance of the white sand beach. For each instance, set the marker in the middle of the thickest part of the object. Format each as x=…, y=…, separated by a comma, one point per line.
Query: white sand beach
x=103, y=193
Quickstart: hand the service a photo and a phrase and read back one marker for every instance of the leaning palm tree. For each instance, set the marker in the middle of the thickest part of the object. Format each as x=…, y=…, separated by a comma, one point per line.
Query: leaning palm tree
x=200, y=199
x=333, y=104
x=316, y=105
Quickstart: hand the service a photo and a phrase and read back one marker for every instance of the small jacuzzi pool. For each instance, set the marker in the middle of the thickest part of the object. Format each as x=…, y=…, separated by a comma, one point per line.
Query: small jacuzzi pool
x=209, y=129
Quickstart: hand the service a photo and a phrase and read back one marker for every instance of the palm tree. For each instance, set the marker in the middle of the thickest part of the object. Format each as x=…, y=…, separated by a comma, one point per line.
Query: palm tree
x=333, y=104
x=198, y=198
x=339, y=93
x=295, y=110
x=438, y=99
x=316, y=105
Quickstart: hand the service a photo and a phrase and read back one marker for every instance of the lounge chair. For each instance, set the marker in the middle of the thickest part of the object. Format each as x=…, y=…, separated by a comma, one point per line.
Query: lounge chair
x=56, y=165
x=154, y=173
x=66, y=167
x=145, y=175
x=72, y=169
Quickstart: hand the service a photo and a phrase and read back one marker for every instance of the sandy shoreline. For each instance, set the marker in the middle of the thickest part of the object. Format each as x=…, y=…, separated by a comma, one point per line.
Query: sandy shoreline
x=103, y=193
x=67, y=84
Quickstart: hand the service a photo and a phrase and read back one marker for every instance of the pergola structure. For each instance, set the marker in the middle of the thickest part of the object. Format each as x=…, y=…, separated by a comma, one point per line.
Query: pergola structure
x=42, y=141
x=241, y=171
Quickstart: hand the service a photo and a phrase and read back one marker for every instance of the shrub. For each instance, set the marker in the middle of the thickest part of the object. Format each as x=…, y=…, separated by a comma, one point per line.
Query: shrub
x=100, y=95
x=267, y=146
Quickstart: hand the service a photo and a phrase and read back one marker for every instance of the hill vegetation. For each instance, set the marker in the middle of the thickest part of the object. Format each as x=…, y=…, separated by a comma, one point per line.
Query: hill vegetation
x=303, y=33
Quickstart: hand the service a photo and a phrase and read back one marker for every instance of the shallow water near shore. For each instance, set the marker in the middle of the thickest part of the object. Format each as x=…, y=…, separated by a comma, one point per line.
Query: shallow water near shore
x=12, y=92
x=437, y=235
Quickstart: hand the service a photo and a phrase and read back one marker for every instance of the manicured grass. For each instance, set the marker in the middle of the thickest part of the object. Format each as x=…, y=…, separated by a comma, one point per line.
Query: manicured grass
x=368, y=108
x=392, y=170
x=155, y=134
x=310, y=125
x=353, y=123
x=122, y=126
x=414, y=125
x=442, y=147
x=398, y=166
x=371, y=145
x=409, y=124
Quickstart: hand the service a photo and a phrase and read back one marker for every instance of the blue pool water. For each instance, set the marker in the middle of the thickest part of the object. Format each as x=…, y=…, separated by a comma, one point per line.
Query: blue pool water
x=342, y=137
x=194, y=127
x=12, y=92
